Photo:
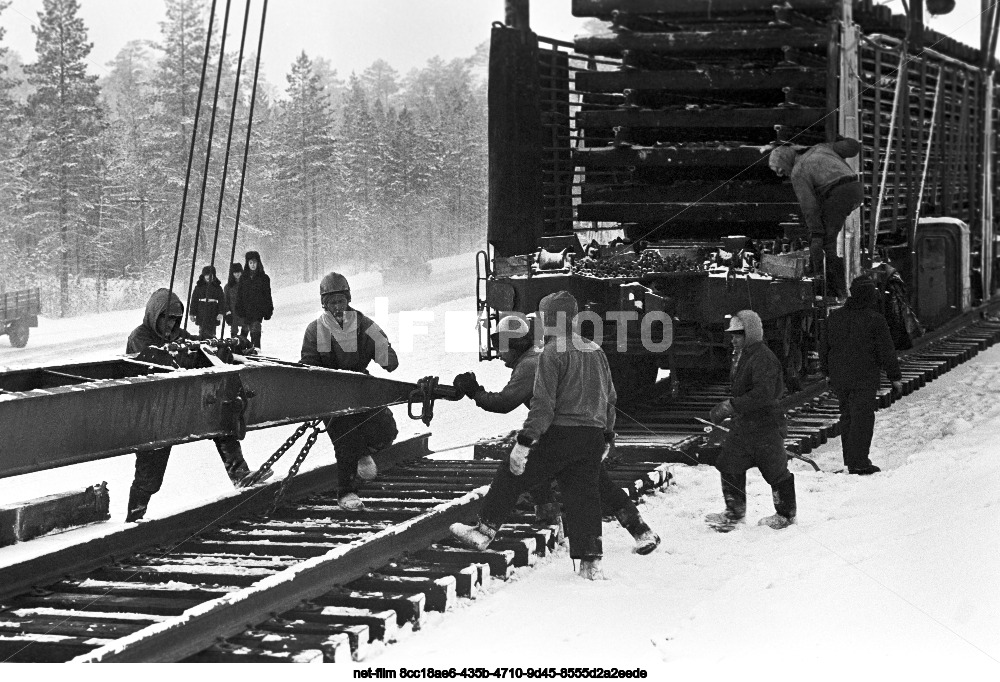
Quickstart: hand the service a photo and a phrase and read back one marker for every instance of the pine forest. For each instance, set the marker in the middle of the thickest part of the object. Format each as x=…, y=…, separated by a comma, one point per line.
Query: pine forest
x=373, y=170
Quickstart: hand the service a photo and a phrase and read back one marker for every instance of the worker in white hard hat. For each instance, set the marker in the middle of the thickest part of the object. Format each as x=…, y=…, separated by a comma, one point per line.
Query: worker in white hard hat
x=515, y=340
x=758, y=427
x=344, y=338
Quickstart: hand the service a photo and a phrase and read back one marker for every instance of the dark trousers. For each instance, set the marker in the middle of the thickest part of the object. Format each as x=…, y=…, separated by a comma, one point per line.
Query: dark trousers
x=354, y=436
x=239, y=328
x=857, y=424
x=206, y=331
x=754, y=444
x=151, y=466
x=571, y=455
x=254, y=326
x=613, y=498
x=839, y=203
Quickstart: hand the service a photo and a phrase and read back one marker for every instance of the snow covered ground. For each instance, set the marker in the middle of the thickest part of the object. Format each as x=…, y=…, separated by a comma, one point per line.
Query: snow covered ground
x=892, y=576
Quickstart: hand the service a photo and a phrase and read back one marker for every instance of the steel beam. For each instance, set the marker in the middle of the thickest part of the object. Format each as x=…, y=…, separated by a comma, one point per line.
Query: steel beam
x=46, y=426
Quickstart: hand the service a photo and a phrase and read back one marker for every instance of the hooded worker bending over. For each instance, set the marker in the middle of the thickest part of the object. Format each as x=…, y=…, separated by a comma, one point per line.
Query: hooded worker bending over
x=757, y=435
x=569, y=429
x=828, y=191
x=162, y=325
x=516, y=340
x=344, y=338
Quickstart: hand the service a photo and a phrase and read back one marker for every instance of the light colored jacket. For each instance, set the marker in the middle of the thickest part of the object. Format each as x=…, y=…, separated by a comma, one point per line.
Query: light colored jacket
x=815, y=171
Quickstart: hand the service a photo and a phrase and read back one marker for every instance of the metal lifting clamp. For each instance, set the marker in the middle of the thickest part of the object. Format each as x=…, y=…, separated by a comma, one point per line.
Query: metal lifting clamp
x=424, y=394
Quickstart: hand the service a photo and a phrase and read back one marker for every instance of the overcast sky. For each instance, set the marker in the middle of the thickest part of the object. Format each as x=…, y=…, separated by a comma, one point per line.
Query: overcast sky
x=351, y=34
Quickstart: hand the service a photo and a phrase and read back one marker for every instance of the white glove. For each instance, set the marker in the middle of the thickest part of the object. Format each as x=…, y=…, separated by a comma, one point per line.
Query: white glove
x=518, y=458
x=219, y=319
x=607, y=449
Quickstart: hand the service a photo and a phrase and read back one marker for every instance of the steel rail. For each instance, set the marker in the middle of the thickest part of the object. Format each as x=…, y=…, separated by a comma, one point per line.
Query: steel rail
x=199, y=627
x=22, y=577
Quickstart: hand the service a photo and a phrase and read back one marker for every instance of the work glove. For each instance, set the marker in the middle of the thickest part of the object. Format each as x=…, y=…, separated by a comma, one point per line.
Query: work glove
x=466, y=384
x=609, y=444
x=519, y=458
x=219, y=319
x=897, y=389
x=229, y=319
x=721, y=411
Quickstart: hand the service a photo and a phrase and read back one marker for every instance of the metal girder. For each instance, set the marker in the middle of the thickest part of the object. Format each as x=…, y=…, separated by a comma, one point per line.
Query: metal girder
x=53, y=417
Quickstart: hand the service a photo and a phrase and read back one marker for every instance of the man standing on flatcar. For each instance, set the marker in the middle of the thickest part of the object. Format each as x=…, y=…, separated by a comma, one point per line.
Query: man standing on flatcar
x=828, y=191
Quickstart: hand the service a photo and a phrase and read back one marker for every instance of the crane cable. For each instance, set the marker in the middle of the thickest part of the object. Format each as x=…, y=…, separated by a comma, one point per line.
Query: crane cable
x=229, y=136
x=194, y=136
x=208, y=157
x=246, y=150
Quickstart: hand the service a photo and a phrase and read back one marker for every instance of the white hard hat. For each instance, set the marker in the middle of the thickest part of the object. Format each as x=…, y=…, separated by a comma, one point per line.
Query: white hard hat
x=735, y=324
x=513, y=326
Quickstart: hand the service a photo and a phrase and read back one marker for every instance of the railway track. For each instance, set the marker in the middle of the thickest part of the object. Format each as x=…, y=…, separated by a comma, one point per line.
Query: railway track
x=320, y=584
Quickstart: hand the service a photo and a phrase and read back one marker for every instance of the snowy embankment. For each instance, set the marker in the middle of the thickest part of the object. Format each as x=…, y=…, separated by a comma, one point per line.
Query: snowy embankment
x=892, y=574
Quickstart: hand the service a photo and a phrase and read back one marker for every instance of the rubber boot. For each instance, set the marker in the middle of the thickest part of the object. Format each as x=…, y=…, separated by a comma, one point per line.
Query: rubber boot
x=549, y=514
x=631, y=520
x=477, y=537
x=138, y=502
x=784, y=504
x=232, y=457
x=734, y=492
x=590, y=569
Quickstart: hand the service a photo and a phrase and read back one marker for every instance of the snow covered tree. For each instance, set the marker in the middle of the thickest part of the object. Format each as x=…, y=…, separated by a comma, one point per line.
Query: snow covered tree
x=61, y=164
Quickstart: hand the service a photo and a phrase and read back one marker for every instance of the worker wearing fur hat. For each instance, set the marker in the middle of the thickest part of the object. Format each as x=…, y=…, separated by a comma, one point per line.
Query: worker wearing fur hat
x=344, y=338
x=758, y=429
x=515, y=339
x=828, y=191
x=568, y=431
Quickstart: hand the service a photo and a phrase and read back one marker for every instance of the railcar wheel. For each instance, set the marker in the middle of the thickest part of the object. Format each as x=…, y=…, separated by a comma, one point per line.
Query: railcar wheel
x=17, y=332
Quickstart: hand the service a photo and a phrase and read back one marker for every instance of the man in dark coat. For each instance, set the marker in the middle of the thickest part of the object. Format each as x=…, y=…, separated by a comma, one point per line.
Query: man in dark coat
x=209, y=303
x=856, y=347
x=828, y=191
x=516, y=340
x=253, y=300
x=343, y=338
x=756, y=436
x=568, y=431
x=161, y=325
x=237, y=325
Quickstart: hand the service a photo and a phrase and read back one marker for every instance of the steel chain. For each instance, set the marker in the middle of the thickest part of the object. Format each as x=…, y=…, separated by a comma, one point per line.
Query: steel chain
x=294, y=469
x=289, y=442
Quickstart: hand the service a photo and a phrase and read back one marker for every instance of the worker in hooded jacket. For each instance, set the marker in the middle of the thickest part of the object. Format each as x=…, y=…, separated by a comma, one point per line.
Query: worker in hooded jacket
x=758, y=426
x=515, y=339
x=828, y=191
x=161, y=325
x=854, y=350
x=344, y=338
